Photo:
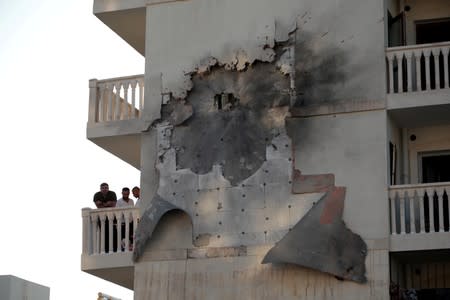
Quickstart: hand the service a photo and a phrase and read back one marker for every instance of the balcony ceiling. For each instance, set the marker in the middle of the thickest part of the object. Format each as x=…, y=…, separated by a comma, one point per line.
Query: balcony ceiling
x=128, y=24
x=421, y=116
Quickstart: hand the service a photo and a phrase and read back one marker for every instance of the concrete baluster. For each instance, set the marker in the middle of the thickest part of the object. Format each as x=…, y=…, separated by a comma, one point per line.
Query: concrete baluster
x=93, y=101
x=102, y=233
x=133, y=98
x=400, y=71
x=392, y=197
x=402, y=213
x=102, y=103
x=440, y=194
x=390, y=58
x=87, y=231
x=141, y=95
x=119, y=218
x=127, y=110
x=412, y=220
x=109, y=89
x=437, y=80
x=445, y=52
x=417, y=56
x=426, y=54
x=111, y=231
x=408, y=55
x=95, y=234
x=421, y=196
x=127, y=230
x=431, y=209
x=118, y=107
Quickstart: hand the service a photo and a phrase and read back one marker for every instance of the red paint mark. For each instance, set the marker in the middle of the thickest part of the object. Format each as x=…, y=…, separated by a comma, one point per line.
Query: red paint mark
x=334, y=205
x=311, y=183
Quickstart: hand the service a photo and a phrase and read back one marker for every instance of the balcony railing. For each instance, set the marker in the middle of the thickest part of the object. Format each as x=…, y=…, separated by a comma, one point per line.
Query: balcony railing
x=421, y=208
x=109, y=230
x=418, y=68
x=116, y=99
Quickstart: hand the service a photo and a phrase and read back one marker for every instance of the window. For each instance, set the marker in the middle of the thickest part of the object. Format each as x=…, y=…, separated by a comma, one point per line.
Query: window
x=434, y=166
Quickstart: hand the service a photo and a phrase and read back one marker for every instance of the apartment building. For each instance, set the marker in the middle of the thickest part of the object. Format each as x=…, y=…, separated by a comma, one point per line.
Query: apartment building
x=288, y=149
x=15, y=288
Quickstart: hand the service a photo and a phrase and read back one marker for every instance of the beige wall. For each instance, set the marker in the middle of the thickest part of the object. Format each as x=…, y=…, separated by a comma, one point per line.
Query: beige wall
x=245, y=278
x=14, y=288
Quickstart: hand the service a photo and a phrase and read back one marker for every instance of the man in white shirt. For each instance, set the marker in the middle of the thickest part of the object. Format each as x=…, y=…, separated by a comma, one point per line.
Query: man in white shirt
x=136, y=194
x=125, y=200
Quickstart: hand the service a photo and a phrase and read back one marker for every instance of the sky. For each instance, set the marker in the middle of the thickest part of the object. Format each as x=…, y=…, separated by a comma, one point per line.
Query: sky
x=49, y=49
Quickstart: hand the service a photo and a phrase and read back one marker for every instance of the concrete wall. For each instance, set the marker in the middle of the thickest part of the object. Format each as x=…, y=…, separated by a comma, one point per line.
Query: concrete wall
x=353, y=147
x=14, y=288
x=340, y=46
x=332, y=56
x=395, y=137
x=245, y=278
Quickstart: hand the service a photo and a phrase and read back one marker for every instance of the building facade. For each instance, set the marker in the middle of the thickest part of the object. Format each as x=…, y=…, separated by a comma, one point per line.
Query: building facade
x=15, y=288
x=288, y=149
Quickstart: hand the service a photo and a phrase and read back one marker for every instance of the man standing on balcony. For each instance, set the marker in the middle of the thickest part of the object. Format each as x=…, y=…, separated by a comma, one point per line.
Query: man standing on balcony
x=105, y=197
x=125, y=200
x=136, y=194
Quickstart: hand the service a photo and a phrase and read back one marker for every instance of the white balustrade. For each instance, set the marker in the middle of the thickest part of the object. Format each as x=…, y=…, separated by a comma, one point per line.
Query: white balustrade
x=418, y=67
x=109, y=230
x=116, y=99
x=421, y=208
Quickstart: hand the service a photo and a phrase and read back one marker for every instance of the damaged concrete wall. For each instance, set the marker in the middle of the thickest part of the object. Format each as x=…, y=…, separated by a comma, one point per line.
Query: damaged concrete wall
x=223, y=76
x=339, y=44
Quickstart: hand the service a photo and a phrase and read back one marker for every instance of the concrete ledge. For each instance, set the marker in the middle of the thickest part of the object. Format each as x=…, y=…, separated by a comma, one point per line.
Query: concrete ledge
x=102, y=261
x=338, y=107
x=420, y=241
x=114, y=128
x=418, y=99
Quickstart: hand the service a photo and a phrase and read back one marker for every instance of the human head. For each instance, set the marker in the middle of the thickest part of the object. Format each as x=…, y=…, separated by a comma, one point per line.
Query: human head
x=136, y=192
x=125, y=193
x=104, y=188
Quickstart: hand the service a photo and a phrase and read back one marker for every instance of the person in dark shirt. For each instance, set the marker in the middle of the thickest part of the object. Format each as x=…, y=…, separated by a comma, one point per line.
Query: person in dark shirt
x=105, y=197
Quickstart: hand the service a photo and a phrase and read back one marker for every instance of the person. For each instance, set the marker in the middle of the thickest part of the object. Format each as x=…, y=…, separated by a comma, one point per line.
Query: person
x=136, y=194
x=125, y=200
x=105, y=197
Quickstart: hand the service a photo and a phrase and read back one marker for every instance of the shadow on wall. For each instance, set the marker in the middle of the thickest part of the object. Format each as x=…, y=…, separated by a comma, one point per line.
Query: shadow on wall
x=174, y=231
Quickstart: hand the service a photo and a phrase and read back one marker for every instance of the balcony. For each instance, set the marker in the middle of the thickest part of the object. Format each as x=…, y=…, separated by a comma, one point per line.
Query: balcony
x=419, y=217
x=107, y=249
x=418, y=75
x=114, y=121
x=126, y=18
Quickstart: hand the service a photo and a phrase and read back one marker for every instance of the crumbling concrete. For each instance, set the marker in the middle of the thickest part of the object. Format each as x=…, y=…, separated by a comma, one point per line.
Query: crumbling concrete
x=226, y=160
x=321, y=241
x=148, y=223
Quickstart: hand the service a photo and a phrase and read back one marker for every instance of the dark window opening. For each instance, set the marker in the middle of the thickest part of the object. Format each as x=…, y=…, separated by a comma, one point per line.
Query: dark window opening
x=436, y=168
x=392, y=162
x=432, y=31
x=225, y=101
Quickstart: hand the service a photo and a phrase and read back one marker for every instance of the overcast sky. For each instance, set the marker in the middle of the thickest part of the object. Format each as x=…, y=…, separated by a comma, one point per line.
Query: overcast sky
x=49, y=50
